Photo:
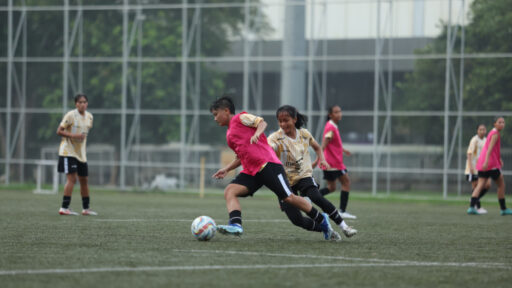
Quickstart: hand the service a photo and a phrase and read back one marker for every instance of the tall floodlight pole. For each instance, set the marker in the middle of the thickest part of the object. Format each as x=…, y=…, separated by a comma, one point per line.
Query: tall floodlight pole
x=9, y=93
x=447, y=101
x=184, y=71
x=461, y=93
x=123, y=96
x=376, y=103
x=294, y=45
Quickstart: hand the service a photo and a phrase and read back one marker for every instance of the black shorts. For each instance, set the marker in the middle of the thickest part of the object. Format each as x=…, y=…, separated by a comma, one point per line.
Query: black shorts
x=272, y=176
x=471, y=177
x=494, y=174
x=303, y=185
x=331, y=175
x=70, y=165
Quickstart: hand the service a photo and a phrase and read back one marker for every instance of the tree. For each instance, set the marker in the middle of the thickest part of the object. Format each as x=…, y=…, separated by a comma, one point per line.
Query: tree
x=487, y=82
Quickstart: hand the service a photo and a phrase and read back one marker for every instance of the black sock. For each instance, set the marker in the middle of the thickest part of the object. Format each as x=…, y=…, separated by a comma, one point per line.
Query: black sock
x=85, y=202
x=336, y=217
x=473, y=202
x=66, y=200
x=343, y=200
x=482, y=193
x=235, y=217
x=324, y=191
x=315, y=215
x=502, y=204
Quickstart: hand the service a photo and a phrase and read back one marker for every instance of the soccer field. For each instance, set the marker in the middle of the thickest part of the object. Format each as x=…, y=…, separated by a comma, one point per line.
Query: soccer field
x=144, y=239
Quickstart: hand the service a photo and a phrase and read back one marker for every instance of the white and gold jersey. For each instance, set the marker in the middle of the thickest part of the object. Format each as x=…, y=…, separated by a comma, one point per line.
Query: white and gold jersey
x=293, y=153
x=74, y=122
x=475, y=147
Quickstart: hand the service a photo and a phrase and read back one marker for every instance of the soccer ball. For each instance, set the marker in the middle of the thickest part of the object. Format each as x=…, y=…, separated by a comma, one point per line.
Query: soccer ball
x=203, y=228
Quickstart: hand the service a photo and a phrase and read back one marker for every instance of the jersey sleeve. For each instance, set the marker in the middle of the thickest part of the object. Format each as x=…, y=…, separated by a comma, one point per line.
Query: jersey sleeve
x=250, y=120
x=328, y=134
x=472, y=148
x=92, y=121
x=307, y=136
x=272, y=141
x=67, y=120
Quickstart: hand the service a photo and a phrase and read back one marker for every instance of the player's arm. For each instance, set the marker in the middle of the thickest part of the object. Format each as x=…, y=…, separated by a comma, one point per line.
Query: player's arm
x=471, y=150
x=221, y=173
x=320, y=159
x=470, y=163
x=259, y=129
x=493, y=141
x=326, y=140
x=346, y=152
x=61, y=130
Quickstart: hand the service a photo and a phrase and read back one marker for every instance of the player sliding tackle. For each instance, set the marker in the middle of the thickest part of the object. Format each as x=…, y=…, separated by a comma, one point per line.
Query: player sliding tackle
x=291, y=143
x=260, y=167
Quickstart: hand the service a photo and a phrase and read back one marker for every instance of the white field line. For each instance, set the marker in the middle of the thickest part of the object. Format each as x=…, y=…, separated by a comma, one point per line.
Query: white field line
x=224, y=267
x=385, y=261
x=372, y=263
x=182, y=220
x=187, y=268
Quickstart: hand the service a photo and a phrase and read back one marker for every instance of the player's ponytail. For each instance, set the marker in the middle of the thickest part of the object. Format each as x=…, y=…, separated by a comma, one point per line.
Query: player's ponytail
x=302, y=120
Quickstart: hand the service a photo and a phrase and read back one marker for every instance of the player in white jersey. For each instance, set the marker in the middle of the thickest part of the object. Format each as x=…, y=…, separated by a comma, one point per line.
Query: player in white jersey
x=475, y=147
x=74, y=128
x=291, y=144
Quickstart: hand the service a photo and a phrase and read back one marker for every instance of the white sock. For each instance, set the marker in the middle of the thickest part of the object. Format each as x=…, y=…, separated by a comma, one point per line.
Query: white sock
x=343, y=225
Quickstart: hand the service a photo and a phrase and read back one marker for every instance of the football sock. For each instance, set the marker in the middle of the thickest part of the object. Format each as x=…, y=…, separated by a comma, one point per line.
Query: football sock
x=324, y=191
x=502, y=204
x=235, y=217
x=310, y=225
x=473, y=201
x=336, y=217
x=66, y=200
x=343, y=200
x=482, y=193
x=315, y=215
x=85, y=202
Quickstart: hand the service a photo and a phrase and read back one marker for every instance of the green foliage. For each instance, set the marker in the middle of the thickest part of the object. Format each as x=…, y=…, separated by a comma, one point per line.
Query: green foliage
x=487, y=85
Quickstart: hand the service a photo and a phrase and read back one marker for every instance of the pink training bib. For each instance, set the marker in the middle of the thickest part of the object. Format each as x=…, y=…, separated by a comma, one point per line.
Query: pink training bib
x=253, y=156
x=333, y=152
x=494, y=157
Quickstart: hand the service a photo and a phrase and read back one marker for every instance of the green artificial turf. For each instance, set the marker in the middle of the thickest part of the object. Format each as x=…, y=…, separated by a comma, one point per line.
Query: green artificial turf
x=144, y=240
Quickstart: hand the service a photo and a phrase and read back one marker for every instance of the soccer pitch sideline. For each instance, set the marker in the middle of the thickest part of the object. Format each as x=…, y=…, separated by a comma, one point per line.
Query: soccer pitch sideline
x=144, y=239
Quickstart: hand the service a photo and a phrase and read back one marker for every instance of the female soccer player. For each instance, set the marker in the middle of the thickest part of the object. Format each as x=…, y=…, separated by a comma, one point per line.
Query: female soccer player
x=333, y=151
x=475, y=147
x=72, y=156
x=488, y=165
x=291, y=144
x=260, y=167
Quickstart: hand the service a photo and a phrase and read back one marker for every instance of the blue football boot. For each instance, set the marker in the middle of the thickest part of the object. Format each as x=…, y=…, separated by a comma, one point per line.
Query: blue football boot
x=231, y=229
x=326, y=227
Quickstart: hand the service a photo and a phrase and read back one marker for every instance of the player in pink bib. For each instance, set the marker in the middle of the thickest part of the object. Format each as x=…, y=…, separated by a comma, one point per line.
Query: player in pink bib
x=489, y=166
x=260, y=167
x=333, y=152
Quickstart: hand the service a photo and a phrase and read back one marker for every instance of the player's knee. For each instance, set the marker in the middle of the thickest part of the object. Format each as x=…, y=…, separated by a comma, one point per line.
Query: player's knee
x=71, y=179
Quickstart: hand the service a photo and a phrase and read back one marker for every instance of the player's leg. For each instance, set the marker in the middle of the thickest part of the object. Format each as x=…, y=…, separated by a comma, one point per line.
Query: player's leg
x=297, y=219
x=345, y=190
x=500, y=182
x=274, y=177
x=239, y=187
x=482, y=178
x=330, y=177
x=67, y=165
x=83, y=178
x=312, y=193
x=486, y=188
